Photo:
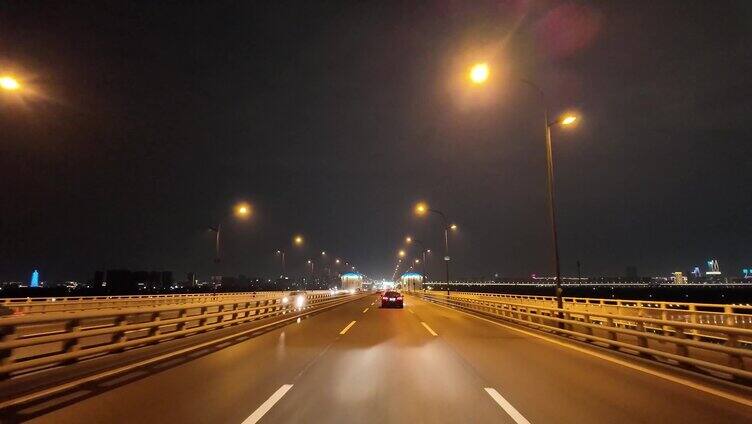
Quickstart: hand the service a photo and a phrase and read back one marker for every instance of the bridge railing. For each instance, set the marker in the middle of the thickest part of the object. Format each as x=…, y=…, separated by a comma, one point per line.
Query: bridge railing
x=719, y=349
x=34, y=305
x=736, y=315
x=36, y=341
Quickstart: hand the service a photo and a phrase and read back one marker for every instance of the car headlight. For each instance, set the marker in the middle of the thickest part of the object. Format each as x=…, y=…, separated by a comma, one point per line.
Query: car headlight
x=285, y=300
x=299, y=301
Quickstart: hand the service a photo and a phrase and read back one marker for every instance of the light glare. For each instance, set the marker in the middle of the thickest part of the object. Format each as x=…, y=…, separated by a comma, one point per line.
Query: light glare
x=9, y=83
x=479, y=73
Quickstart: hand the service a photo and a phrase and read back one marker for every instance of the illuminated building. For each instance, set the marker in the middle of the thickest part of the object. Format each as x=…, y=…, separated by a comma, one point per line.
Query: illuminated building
x=34, y=279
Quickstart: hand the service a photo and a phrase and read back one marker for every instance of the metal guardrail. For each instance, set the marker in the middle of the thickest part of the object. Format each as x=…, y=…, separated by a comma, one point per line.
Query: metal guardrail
x=719, y=348
x=31, y=342
x=736, y=315
x=33, y=305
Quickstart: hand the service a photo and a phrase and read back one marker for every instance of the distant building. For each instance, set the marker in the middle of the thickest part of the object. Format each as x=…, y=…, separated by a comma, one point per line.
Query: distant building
x=713, y=268
x=696, y=272
x=679, y=278
x=191, y=279
x=120, y=281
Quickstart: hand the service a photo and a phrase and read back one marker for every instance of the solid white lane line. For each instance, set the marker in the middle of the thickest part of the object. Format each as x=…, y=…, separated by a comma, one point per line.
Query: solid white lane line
x=344, y=330
x=411, y=311
x=676, y=379
x=266, y=406
x=365, y=310
x=430, y=330
x=506, y=406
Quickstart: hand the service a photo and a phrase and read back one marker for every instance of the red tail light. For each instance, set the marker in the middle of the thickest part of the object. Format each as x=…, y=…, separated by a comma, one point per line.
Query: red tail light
x=399, y=298
x=384, y=298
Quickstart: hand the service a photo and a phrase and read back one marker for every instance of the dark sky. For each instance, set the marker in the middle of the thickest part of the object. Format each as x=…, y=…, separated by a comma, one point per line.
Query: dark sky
x=144, y=122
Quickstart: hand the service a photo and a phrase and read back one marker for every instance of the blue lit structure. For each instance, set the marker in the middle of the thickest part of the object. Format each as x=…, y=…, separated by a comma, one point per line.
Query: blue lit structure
x=34, y=279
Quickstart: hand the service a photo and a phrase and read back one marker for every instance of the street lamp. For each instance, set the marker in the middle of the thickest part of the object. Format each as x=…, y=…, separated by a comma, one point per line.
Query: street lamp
x=242, y=210
x=281, y=254
x=478, y=76
x=422, y=209
x=298, y=240
x=423, y=251
x=9, y=83
x=479, y=73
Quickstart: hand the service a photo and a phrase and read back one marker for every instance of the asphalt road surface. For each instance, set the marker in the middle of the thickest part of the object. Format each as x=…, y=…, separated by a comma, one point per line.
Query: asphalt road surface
x=361, y=364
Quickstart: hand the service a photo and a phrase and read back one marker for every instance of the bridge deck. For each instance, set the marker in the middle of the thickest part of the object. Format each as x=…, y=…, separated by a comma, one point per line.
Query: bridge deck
x=389, y=367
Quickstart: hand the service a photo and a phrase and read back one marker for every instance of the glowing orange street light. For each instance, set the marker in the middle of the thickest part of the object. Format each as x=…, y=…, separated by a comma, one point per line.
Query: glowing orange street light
x=401, y=253
x=421, y=208
x=479, y=73
x=408, y=239
x=243, y=210
x=9, y=83
x=298, y=240
x=568, y=119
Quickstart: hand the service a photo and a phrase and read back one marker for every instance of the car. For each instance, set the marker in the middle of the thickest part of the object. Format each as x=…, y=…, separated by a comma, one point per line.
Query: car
x=296, y=298
x=391, y=299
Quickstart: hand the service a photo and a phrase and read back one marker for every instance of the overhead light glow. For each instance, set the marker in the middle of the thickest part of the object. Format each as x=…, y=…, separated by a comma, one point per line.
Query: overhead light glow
x=479, y=73
x=9, y=83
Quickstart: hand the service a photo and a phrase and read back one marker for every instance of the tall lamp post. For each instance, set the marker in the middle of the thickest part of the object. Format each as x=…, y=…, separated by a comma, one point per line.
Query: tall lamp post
x=478, y=75
x=422, y=209
x=281, y=254
x=242, y=210
x=423, y=250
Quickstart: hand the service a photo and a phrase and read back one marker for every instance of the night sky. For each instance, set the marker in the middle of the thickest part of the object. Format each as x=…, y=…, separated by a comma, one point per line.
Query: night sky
x=142, y=123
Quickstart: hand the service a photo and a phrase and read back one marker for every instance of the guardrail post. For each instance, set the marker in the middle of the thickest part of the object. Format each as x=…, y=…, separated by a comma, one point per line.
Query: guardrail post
x=119, y=335
x=155, y=330
x=588, y=328
x=693, y=320
x=72, y=344
x=681, y=348
x=735, y=360
x=664, y=317
x=728, y=319
x=642, y=341
x=7, y=333
x=610, y=332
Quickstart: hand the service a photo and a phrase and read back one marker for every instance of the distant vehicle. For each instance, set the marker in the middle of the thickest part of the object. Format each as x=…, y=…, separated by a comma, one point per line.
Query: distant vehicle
x=297, y=298
x=391, y=299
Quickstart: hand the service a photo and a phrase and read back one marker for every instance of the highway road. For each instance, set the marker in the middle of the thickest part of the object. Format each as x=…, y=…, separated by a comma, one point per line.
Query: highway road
x=358, y=363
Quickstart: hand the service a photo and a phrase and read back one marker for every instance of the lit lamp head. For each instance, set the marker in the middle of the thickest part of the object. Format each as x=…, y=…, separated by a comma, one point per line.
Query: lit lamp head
x=243, y=210
x=297, y=240
x=401, y=253
x=479, y=73
x=568, y=120
x=421, y=209
x=453, y=227
x=8, y=83
x=408, y=239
